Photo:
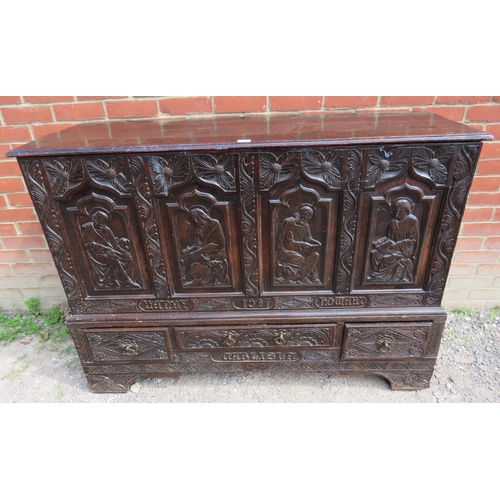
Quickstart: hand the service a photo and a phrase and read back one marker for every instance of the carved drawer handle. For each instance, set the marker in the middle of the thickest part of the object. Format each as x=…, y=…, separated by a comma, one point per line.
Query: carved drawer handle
x=384, y=344
x=129, y=348
x=230, y=339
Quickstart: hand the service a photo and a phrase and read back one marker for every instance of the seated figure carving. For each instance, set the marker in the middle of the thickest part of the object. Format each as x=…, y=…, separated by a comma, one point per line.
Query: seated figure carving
x=392, y=256
x=110, y=257
x=205, y=262
x=298, y=252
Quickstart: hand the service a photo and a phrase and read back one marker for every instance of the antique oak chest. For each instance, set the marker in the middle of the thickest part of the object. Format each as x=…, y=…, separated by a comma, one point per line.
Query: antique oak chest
x=312, y=242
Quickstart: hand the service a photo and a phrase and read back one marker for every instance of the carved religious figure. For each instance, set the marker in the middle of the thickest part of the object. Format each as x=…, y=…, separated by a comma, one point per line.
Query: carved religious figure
x=205, y=262
x=392, y=256
x=298, y=252
x=110, y=257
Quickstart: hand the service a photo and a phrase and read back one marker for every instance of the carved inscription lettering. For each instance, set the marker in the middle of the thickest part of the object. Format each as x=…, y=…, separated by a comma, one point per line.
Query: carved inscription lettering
x=165, y=305
x=354, y=301
x=255, y=356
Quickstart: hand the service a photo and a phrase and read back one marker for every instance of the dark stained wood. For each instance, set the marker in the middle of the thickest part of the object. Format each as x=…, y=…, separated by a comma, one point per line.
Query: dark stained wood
x=180, y=252
x=263, y=131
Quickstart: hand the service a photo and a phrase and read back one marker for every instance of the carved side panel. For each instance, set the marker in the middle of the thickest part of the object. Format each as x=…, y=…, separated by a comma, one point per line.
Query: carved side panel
x=349, y=221
x=450, y=226
x=144, y=203
x=52, y=226
x=249, y=223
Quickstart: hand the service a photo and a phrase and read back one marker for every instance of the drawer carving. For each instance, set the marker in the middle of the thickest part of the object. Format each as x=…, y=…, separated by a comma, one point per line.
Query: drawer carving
x=128, y=345
x=387, y=340
x=259, y=336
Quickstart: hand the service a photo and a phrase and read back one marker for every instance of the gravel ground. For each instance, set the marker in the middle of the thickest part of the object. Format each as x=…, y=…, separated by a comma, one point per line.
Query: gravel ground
x=467, y=371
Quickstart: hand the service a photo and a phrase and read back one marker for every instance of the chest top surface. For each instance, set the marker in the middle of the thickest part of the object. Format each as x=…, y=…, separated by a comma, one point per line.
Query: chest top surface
x=236, y=132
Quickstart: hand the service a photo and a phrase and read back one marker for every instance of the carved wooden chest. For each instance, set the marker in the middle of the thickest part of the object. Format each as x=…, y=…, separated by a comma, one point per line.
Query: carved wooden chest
x=284, y=243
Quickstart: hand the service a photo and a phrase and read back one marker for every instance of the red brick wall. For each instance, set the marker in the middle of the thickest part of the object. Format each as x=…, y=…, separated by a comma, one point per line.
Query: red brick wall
x=26, y=267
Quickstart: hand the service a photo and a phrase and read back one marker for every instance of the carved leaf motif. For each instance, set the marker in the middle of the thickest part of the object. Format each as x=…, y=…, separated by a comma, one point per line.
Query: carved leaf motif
x=108, y=173
x=385, y=163
x=168, y=172
x=217, y=170
x=433, y=162
x=277, y=168
x=324, y=165
x=64, y=174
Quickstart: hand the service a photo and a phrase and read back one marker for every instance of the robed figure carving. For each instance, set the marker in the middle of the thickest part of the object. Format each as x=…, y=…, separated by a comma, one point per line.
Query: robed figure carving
x=298, y=252
x=205, y=262
x=110, y=257
x=392, y=257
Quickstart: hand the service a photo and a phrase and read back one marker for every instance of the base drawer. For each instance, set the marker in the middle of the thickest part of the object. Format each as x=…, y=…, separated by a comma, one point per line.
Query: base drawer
x=386, y=340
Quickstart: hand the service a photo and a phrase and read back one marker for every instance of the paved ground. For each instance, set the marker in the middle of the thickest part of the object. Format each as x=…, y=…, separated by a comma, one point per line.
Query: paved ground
x=467, y=371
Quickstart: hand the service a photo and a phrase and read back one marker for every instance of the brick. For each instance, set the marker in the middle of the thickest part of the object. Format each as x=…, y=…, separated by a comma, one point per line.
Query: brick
x=41, y=255
x=26, y=114
x=406, y=100
x=50, y=98
x=496, y=284
x=486, y=183
x=186, y=105
x=34, y=268
x=485, y=293
x=478, y=214
x=451, y=305
x=17, y=214
x=24, y=242
x=8, y=230
x=480, y=228
x=455, y=113
x=30, y=228
x=492, y=304
x=477, y=256
x=14, y=256
x=350, y=101
x=461, y=282
x=43, y=293
x=464, y=269
x=292, y=103
x=5, y=270
x=4, y=149
x=488, y=167
x=97, y=97
x=488, y=199
x=462, y=100
x=118, y=109
x=9, y=134
x=484, y=113
x=18, y=281
x=8, y=293
x=20, y=200
x=488, y=269
x=50, y=280
x=455, y=293
x=10, y=99
x=79, y=111
x=3, y=201
x=493, y=242
x=10, y=168
x=494, y=130
x=49, y=128
x=239, y=104
x=470, y=243
x=383, y=110
x=12, y=184
x=496, y=215
x=491, y=150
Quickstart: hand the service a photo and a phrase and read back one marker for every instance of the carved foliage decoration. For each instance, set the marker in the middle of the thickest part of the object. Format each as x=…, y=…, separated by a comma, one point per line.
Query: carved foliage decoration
x=385, y=163
x=254, y=337
x=128, y=346
x=168, y=171
x=108, y=173
x=349, y=219
x=248, y=213
x=53, y=229
x=104, y=231
x=65, y=174
x=274, y=168
x=455, y=205
x=148, y=220
x=433, y=162
x=217, y=170
x=389, y=341
x=324, y=166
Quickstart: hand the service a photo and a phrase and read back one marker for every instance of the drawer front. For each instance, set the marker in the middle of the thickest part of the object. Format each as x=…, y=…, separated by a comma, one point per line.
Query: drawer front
x=385, y=340
x=129, y=344
x=260, y=336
